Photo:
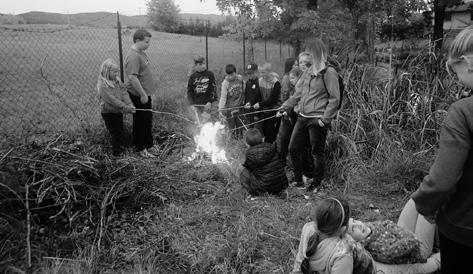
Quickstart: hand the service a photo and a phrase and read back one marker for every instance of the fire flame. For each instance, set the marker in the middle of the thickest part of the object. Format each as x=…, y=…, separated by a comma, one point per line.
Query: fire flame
x=206, y=142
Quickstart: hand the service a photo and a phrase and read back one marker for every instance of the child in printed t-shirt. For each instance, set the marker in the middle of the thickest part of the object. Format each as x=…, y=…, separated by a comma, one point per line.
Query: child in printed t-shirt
x=252, y=94
x=263, y=171
x=201, y=89
x=114, y=101
x=231, y=98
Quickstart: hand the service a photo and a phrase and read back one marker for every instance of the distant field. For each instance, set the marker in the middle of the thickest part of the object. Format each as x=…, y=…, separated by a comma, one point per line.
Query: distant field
x=72, y=57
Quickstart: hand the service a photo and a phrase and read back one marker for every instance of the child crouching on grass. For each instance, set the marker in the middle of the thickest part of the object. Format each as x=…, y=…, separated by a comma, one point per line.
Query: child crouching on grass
x=263, y=171
x=114, y=101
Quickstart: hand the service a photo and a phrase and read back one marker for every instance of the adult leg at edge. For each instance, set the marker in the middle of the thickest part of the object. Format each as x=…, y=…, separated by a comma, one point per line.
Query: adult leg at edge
x=456, y=257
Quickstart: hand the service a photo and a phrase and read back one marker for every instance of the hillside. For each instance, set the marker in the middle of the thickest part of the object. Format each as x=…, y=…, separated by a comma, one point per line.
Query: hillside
x=104, y=19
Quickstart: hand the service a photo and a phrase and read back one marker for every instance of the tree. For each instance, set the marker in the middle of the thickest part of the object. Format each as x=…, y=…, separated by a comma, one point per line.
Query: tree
x=163, y=15
x=439, y=7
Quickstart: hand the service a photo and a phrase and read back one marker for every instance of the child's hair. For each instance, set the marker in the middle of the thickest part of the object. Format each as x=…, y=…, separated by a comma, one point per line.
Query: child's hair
x=266, y=66
x=319, y=52
x=463, y=43
x=140, y=35
x=253, y=137
x=199, y=59
x=289, y=64
x=230, y=68
x=330, y=215
x=295, y=72
x=104, y=75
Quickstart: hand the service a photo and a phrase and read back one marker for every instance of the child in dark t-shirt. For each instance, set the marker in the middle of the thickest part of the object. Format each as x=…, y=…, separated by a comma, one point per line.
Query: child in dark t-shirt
x=201, y=90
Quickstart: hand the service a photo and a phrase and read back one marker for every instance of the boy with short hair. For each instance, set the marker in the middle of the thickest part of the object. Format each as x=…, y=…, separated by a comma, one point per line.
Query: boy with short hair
x=263, y=171
x=201, y=89
x=231, y=97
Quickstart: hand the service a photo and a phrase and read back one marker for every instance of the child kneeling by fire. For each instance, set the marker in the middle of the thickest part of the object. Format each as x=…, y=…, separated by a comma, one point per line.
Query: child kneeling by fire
x=263, y=171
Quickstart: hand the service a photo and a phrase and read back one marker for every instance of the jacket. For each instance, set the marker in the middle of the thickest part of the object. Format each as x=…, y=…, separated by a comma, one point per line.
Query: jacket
x=448, y=188
x=311, y=97
x=267, y=173
x=113, y=100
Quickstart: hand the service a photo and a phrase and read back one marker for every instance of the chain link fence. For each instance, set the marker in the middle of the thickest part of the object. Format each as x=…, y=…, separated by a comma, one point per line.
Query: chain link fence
x=49, y=72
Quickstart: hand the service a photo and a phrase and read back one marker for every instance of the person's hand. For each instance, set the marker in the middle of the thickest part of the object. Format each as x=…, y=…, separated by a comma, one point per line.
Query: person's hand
x=221, y=116
x=207, y=106
x=321, y=124
x=144, y=99
x=130, y=109
x=256, y=106
x=248, y=105
x=281, y=113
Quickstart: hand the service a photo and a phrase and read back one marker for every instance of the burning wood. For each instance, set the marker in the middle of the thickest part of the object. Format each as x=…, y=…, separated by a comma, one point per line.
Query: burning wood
x=207, y=144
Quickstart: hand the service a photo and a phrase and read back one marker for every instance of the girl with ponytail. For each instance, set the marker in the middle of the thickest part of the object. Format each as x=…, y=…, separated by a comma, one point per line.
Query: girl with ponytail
x=322, y=248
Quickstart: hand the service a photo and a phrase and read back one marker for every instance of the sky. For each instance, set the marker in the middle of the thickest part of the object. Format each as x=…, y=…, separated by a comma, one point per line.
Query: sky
x=127, y=7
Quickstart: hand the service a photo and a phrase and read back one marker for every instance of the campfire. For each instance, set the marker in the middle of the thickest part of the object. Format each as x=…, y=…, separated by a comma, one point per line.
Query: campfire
x=207, y=144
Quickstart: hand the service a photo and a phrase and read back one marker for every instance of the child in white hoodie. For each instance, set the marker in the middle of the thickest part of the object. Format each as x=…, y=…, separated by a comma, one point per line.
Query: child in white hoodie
x=232, y=97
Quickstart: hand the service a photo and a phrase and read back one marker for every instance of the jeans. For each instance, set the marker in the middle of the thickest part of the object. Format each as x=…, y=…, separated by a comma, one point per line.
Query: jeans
x=271, y=128
x=308, y=132
x=142, y=124
x=114, y=124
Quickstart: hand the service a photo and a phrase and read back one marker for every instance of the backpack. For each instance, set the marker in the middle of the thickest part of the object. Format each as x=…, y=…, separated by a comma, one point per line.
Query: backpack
x=341, y=84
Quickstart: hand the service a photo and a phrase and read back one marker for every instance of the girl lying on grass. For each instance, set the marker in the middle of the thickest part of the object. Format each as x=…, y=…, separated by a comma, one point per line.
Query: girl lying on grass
x=326, y=247
x=114, y=101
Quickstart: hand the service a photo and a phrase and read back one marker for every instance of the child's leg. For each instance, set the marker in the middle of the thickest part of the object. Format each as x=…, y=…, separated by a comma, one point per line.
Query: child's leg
x=411, y=220
x=318, y=136
x=114, y=124
x=284, y=136
x=296, y=146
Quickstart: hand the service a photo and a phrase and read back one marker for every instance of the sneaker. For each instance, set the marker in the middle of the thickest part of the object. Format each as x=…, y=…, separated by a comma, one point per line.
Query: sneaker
x=145, y=154
x=153, y=150
x=298, y=184
x=313, y=186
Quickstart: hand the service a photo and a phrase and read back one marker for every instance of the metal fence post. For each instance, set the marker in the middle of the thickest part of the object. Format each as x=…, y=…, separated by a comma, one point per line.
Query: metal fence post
x=207, y=44
x=280, y=49
x=244, y=51
x=265, y=50
x=120, y=49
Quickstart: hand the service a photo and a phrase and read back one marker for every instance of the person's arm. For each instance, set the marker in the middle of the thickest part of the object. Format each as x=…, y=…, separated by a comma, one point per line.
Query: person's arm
x=223, y=95
x=307, y=230
x=190, y=90
x=108, y=96
x=126, y=99
x=273, y=97
x=292, y=101
x=212, y=87
x=454, y=149
x=333, y=89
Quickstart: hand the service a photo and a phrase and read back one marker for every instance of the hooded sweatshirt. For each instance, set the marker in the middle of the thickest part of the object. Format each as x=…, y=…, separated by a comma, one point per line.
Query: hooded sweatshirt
x=113, y=99
x=311, y=97
x=270, y=92
x=232, y=94
x=333, y=255
x=448, y=188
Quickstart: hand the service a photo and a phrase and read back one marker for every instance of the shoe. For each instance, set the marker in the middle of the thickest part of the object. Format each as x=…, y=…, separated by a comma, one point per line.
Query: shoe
x=153, y=150
x=313, y=186
x=298, y=184
x=145, y=154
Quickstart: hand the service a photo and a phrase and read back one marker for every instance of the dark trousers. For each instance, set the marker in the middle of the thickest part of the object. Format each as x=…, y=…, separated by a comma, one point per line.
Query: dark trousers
x=455, y=257
x=235, y=124
x=283, y=139
x=114, y=124
x=308, y=128
x=271, y=128
x=142, y=124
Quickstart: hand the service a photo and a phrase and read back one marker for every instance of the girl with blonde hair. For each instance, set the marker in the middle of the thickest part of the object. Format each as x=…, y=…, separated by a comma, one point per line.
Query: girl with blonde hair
x=114, y=101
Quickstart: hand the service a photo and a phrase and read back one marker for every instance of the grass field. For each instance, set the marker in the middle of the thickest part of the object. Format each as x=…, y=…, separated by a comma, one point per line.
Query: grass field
x=64, y=98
